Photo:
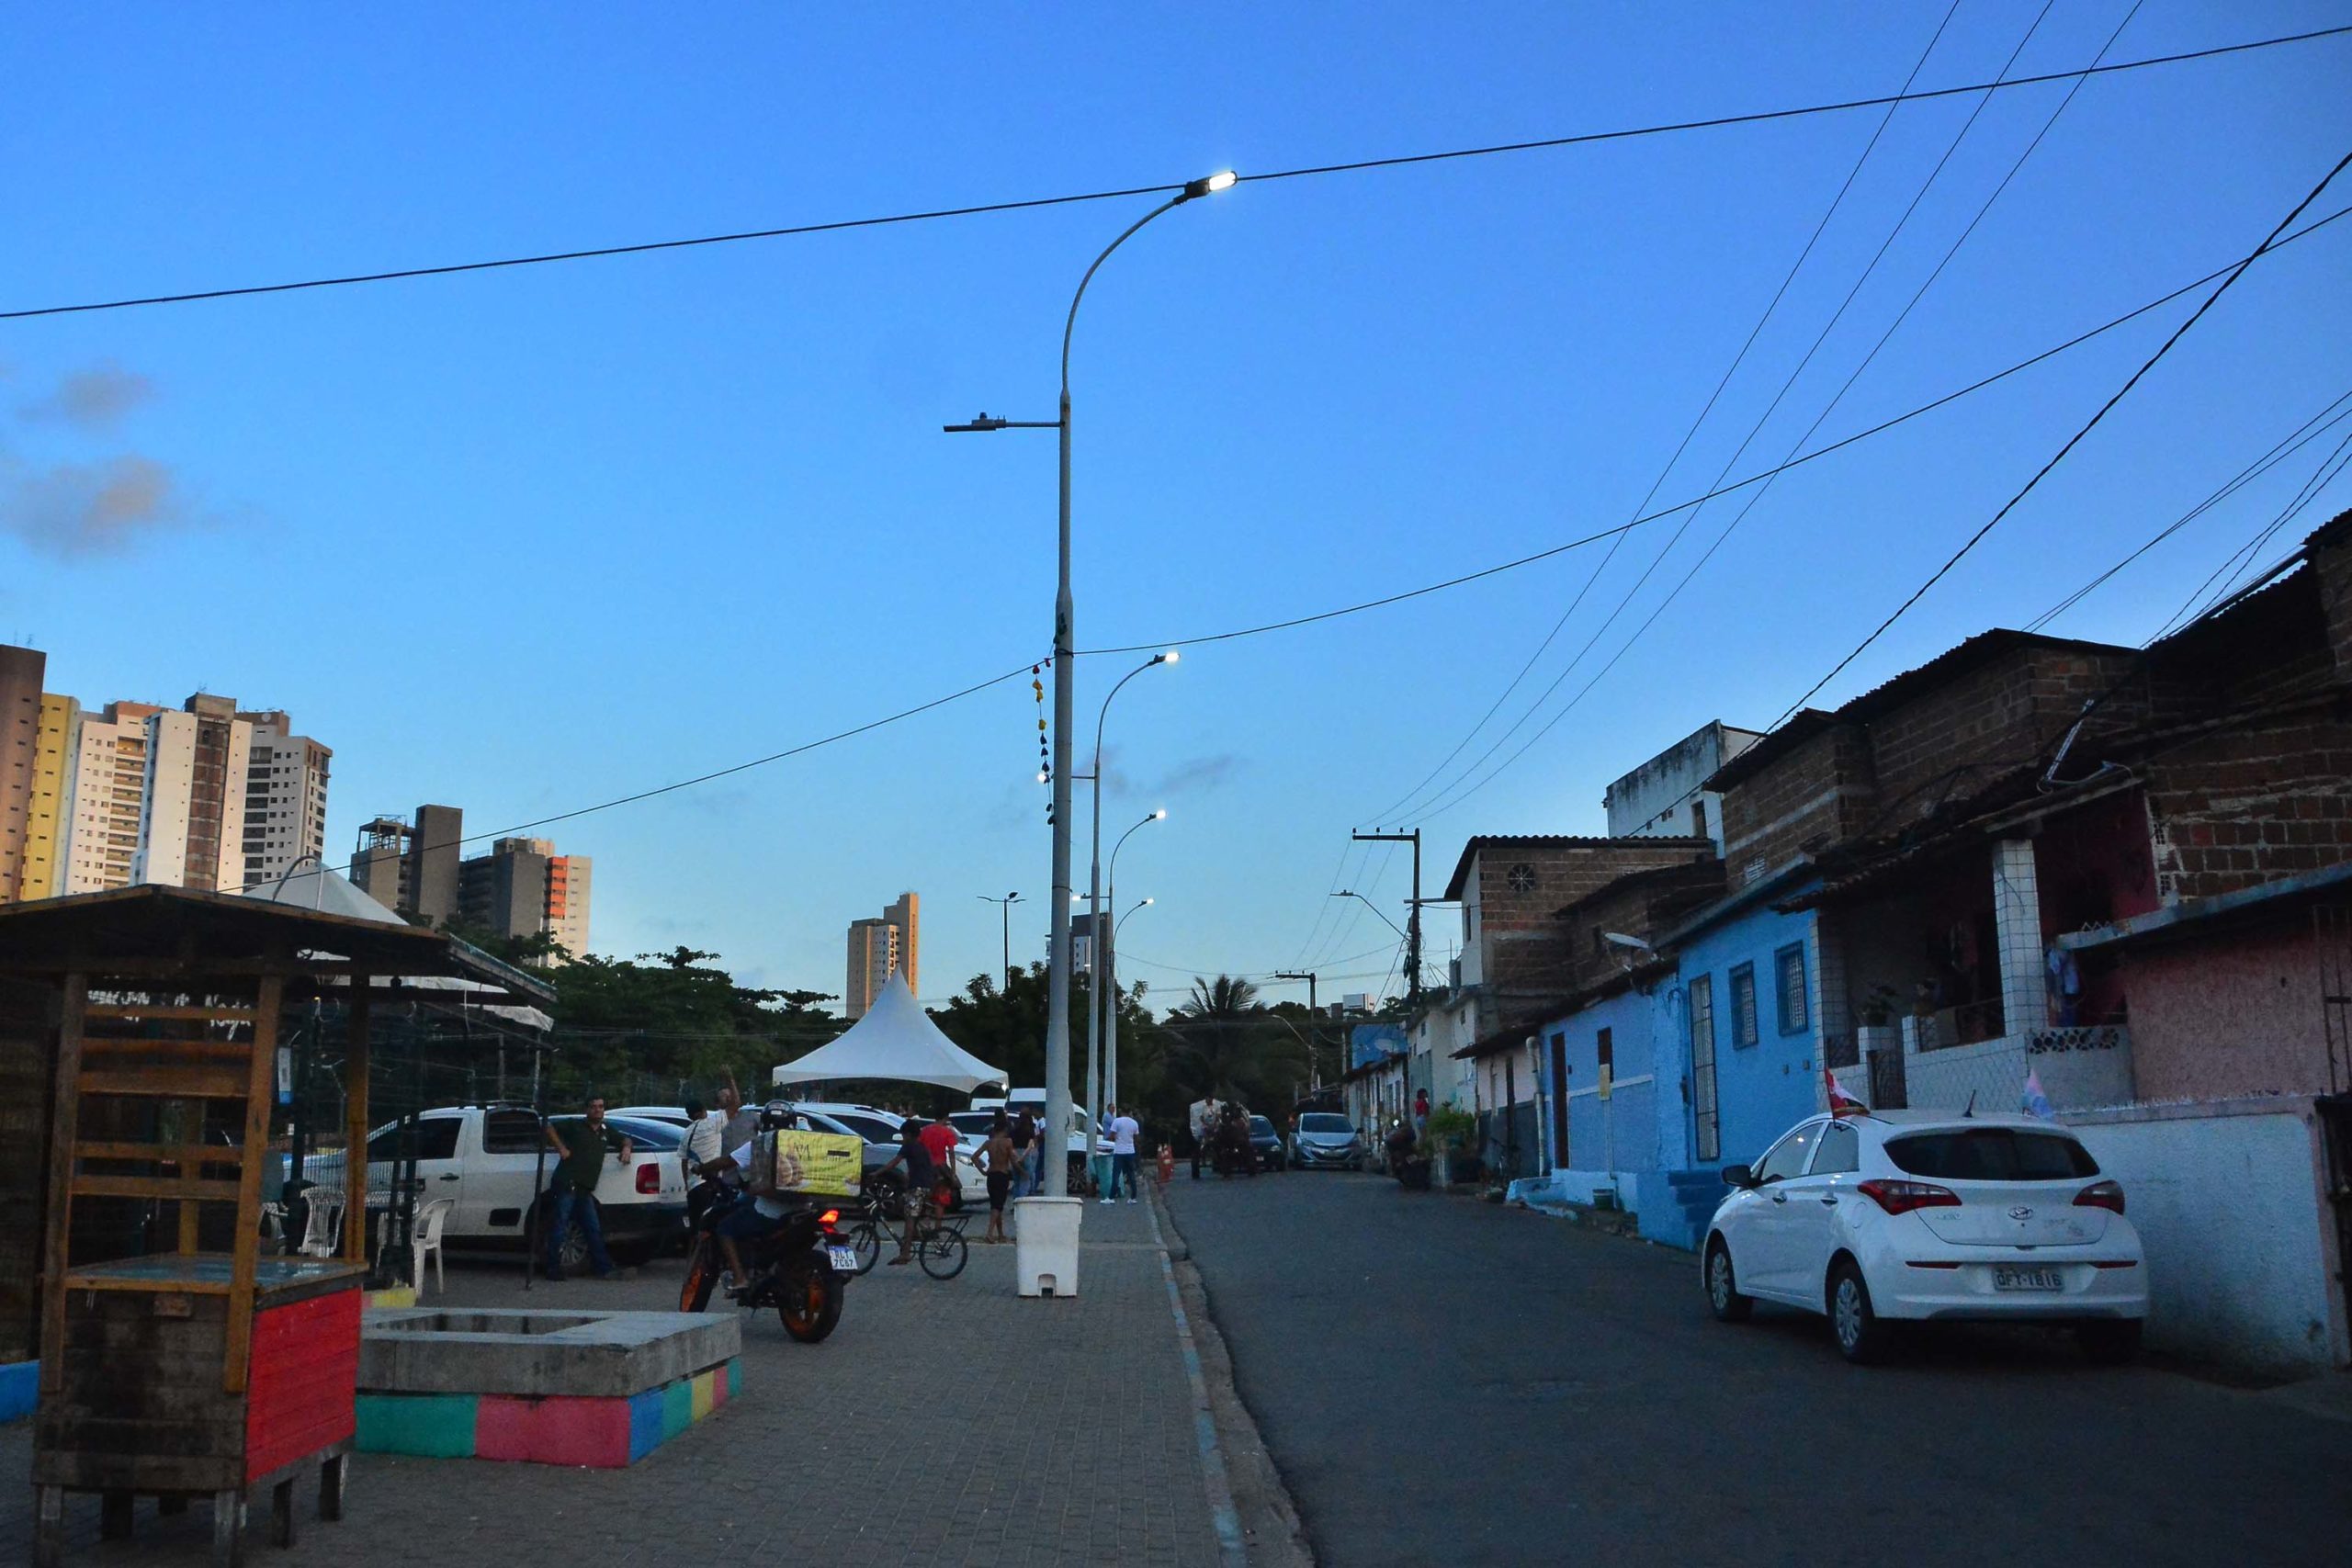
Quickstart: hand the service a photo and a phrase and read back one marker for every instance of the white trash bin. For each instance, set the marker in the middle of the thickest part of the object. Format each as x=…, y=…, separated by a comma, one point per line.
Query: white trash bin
x=1045, y=1244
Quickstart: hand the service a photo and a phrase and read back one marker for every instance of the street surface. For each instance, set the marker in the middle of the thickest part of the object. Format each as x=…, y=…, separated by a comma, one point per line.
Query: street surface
x=942, y=1423
x=1441, y=1381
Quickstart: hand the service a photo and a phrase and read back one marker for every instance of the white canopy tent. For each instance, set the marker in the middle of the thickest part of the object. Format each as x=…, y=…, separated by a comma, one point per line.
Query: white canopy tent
x=895, y=1038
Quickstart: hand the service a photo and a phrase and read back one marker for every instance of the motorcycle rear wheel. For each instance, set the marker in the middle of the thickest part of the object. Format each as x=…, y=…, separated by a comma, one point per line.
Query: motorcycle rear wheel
x=702, y=1277
x=808, y=1299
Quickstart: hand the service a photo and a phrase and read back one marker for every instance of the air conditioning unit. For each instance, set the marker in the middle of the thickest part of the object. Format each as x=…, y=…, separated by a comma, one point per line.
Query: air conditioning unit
x=1454, y=973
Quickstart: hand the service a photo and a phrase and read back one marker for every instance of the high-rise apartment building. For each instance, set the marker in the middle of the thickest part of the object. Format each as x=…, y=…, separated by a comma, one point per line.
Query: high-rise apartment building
x=192, y=809
x=520, y=888
x=877, y=948
x=106, y=781
x=48, y=815
x=21, y=672
x=285, y=798
x=1082, y=943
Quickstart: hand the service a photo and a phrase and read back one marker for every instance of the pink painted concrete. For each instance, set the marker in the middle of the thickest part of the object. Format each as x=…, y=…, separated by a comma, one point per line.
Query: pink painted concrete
x=2237, y=1016
x=593, y=1432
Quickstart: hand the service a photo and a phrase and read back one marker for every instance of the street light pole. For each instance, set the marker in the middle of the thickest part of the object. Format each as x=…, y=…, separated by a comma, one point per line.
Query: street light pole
x=1111, y=1021
x=1096, y=943
x=1065, y=695
x=1004, y=906
x=1102, y=976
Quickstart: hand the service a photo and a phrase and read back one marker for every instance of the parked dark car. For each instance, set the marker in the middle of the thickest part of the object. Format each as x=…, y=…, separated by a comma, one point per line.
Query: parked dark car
x=1267, y=1144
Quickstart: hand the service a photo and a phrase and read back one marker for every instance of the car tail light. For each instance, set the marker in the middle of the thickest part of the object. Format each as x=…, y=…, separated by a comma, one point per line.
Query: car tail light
x=1902, y=1197
x=2100, y=1195
x=828, y=1219
x=649, y=1178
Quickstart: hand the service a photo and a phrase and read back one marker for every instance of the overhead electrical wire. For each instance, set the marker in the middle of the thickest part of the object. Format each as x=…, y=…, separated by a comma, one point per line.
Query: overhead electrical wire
x=1398, y=161
x=2309, y=491
x=1749, y=502
x=1391, y=812
x=1757, y=478
x=2269, y=242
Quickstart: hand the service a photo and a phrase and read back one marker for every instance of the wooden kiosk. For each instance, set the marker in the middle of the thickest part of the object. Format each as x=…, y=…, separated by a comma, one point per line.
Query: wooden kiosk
x=168, y=1370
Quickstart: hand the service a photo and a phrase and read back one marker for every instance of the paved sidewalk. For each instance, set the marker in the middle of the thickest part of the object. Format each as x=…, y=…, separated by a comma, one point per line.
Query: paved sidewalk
x=941, y=1424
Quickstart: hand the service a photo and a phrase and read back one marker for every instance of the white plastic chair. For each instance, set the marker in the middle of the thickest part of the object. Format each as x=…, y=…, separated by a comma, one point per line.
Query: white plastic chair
x=323, y=1235
x=426, y=1241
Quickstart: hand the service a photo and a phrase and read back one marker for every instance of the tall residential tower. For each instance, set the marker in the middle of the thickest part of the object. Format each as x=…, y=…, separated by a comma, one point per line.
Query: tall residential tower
x=879, y=946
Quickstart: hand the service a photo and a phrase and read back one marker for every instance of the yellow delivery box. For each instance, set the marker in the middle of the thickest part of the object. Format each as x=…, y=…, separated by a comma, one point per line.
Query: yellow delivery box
x=819, y=1165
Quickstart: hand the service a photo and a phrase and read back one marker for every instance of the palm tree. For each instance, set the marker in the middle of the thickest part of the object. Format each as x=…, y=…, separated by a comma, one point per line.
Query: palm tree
x=1215, y=1024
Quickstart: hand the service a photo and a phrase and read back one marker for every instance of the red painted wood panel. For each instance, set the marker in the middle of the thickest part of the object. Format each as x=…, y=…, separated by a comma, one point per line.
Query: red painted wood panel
x=302, y=1395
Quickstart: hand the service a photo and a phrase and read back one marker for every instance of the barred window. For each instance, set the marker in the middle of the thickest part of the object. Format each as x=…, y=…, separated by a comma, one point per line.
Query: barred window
x=1788, y=967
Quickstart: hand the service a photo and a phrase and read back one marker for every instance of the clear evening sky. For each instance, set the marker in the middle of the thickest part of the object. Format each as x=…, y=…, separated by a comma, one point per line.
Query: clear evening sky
x=523, y=540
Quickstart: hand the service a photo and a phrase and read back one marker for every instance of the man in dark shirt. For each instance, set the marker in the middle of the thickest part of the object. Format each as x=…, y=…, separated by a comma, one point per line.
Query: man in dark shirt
x=922, y=1171
x=571, y=1190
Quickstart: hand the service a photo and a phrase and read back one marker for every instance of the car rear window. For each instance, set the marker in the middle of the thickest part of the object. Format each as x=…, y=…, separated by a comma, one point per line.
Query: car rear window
x=1991, y=1154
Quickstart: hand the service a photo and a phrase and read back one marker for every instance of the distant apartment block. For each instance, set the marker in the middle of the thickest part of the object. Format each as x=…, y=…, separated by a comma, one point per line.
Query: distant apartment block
x=879, y=946
x=520, y=888
x=22, y=672
x=106, y=783
x=285, y=798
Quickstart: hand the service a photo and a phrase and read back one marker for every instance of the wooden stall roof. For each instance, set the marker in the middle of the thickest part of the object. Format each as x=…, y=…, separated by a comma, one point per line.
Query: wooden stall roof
x=176, y=926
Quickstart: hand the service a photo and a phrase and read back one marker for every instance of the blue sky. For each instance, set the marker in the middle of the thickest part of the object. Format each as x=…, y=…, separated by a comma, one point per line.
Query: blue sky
x=524, y=540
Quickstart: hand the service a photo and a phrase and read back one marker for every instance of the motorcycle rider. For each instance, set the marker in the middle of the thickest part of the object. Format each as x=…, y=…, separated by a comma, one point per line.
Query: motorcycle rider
x=747, y=1221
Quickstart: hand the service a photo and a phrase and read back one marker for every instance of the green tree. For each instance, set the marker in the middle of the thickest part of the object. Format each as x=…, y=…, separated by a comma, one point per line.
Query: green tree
x=1229, y=1046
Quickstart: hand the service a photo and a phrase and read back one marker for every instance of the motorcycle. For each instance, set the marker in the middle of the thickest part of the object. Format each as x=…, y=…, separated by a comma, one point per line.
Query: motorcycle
x=802, y=1268
x=1235, y=1153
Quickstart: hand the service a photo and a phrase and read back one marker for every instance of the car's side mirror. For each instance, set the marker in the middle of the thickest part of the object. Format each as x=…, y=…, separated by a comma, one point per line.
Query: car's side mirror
x=1738, y=1176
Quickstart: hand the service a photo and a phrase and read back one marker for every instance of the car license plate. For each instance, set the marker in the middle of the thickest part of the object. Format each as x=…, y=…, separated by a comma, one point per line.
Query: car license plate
x=2027, y=1280
x=843, y=1259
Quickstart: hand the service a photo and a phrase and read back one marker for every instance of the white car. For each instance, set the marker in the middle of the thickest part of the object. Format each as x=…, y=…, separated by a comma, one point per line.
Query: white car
x=1899, y=1215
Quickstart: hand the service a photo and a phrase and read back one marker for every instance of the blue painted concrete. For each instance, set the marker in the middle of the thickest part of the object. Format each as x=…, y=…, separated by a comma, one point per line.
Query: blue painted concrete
x=1763, y=1089
x=20, y=1389
x=644, y=1432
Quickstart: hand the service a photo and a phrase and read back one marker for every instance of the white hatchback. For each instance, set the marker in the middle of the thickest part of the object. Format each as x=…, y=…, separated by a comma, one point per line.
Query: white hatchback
x=1903, y=1215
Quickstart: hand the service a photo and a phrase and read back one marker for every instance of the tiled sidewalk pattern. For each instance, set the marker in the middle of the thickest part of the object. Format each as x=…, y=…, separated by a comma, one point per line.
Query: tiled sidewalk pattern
x=941, y=1424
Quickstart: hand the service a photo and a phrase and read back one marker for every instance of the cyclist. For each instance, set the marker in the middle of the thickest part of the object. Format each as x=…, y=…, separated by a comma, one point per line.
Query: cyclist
x=921, y=1170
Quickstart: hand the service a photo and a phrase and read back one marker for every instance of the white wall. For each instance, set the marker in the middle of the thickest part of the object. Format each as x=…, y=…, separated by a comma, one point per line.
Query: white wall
x=2230, y=1201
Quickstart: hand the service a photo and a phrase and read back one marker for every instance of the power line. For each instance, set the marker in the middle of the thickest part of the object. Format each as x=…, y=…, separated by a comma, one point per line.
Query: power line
x=1749, y=504
x=1757, y=478
x=1028, y=203
x=1390, y=813
x=2287, y=446
x=2165, y=347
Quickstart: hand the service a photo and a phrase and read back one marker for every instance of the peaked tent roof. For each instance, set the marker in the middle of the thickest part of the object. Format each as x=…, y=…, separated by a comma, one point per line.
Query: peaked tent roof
x=895, y=1038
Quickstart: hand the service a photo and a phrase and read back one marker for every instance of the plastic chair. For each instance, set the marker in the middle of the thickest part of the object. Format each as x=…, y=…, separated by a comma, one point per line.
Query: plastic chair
x=323, y=1235
x=426, y=1242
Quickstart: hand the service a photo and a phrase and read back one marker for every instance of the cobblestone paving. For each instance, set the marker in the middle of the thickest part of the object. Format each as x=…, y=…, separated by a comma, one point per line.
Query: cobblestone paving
x=946, y=1424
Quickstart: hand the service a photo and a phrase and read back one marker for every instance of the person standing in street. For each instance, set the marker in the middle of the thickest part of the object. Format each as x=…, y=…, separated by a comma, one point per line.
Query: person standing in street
x=942, y=1139
x=698, y=1157
x=998, y=1162
x=1124, y=1130
x=571, y=1191
x=1205, y=1117
x=737, y=1124
x=1025, y=1139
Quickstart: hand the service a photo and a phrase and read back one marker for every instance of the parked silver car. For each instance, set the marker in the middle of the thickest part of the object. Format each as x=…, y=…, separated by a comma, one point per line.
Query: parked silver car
x=1325, y=1140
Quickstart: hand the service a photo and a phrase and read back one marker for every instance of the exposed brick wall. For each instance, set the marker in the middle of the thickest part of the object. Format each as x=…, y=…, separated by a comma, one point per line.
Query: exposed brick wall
x=1990, y=721
x=2332, y=565
x=1529, y=954
x=1642, y=911
x=2254, y=804
x=1823, y=790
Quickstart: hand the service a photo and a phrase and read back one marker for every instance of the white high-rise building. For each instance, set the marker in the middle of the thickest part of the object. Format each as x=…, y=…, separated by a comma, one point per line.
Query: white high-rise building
x=106, y=781
x=285, y=798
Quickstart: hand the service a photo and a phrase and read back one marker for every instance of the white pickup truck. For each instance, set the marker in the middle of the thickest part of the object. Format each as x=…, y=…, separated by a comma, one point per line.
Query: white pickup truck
x=487, y=1160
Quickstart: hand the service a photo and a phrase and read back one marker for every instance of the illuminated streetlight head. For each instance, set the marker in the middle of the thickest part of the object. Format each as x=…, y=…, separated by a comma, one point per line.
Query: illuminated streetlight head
x=1160, y=814
x=1223, y=179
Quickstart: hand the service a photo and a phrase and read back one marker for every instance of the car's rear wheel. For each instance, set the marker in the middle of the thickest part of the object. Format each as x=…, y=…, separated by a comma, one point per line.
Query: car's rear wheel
x=1863, y=1338
x=1723, y=1298
x=2112, y=1343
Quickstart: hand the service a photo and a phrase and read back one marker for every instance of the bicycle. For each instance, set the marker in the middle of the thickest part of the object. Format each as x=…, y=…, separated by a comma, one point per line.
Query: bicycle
x=938, y=1241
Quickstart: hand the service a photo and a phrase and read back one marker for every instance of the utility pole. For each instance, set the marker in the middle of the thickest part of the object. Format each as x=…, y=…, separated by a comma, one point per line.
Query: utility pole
x=1313, y=1065
x=1413, y=924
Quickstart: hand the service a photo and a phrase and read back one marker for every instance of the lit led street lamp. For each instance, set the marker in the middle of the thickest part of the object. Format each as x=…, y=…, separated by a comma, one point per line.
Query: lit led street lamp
x=1065, y=697
x=1004, y=905
x=1096, y=942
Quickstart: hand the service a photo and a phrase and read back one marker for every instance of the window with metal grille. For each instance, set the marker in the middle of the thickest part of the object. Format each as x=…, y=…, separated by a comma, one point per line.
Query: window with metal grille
x=1743, y=1005
x=1788, y=966
x=1706, y=1136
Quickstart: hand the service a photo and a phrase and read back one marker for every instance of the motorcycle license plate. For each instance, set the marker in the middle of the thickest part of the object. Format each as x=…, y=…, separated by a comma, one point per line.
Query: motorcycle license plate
x=843, y=1259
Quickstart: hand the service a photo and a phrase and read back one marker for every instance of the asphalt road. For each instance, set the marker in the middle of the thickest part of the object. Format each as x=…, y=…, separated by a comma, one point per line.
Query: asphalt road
x=1441, y=1381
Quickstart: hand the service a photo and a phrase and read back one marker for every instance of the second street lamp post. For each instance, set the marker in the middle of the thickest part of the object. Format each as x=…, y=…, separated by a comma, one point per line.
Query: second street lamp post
x=1103, y=979
x=1095, y=941
x=1110, y=1018
x=1057, y=1123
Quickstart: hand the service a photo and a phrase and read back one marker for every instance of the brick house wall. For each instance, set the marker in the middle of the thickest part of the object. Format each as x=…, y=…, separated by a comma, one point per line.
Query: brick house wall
x=1823, y=790
x=2254, y=802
